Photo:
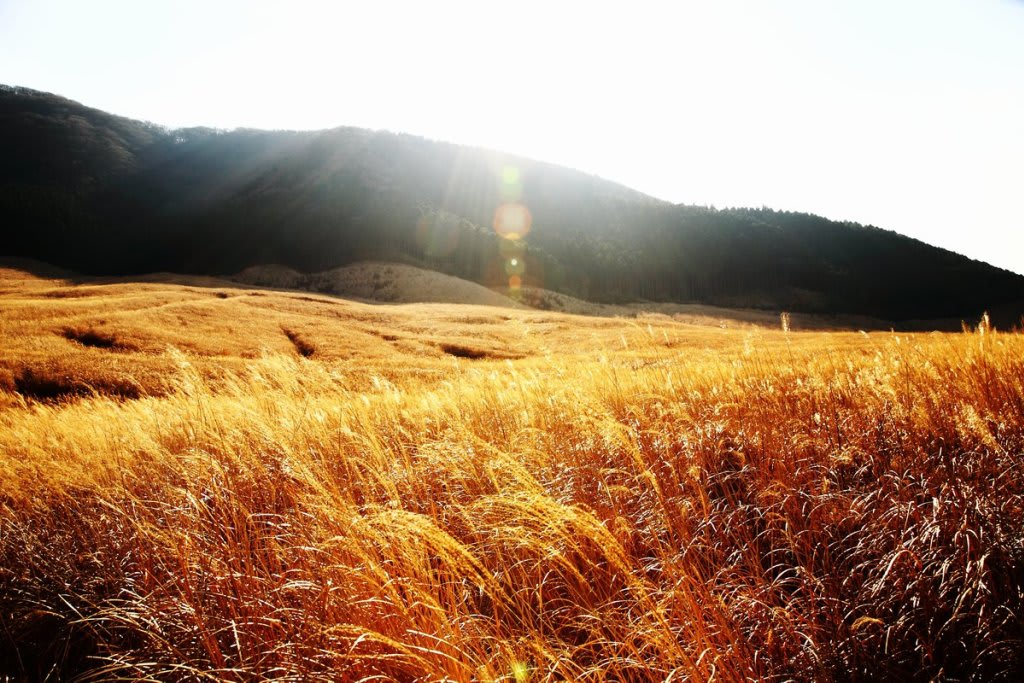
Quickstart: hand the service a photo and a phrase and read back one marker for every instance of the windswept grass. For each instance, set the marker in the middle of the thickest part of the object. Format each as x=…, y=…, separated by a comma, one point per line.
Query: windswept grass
x=628, y=501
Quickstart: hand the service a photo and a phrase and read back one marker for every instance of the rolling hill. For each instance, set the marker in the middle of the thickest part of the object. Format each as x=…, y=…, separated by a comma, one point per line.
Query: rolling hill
x=103, y=194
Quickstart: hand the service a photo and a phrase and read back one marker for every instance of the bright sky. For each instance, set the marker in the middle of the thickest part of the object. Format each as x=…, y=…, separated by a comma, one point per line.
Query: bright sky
x=906, y=114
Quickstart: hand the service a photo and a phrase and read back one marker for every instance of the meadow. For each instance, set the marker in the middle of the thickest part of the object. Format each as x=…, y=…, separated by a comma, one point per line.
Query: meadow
x=205, y=482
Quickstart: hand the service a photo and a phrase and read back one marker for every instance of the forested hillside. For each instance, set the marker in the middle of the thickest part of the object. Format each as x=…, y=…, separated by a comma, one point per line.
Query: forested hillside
x=103, y=194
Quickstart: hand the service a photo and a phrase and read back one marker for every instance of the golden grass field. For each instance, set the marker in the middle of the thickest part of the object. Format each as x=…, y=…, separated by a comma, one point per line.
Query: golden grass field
x=204, y=482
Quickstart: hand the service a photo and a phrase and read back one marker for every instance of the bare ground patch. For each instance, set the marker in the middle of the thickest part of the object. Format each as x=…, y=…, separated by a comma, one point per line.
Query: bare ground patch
x=94, y=338
x=302, y=346
x=46, y=384
x=477, y=352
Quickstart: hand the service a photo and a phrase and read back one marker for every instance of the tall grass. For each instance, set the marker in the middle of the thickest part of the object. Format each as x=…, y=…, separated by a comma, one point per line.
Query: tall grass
x=818, y=510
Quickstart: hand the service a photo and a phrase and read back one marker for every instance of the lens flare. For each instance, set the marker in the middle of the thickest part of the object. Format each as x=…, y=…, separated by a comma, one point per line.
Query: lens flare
x=510, y=184
x=515, y=266
x=510, y=175
x=512, y=220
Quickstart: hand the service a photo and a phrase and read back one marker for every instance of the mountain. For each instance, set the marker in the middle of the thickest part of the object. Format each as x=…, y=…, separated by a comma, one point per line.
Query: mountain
x=103, y=194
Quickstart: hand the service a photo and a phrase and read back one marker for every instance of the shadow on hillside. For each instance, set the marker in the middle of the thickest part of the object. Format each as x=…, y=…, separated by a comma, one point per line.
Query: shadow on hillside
x=1005, y=316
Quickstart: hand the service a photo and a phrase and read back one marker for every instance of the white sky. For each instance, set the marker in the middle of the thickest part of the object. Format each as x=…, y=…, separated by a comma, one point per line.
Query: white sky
x=906, y=114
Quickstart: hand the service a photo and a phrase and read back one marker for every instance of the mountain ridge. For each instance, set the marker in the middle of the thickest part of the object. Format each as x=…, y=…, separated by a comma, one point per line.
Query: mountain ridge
x=99, y=193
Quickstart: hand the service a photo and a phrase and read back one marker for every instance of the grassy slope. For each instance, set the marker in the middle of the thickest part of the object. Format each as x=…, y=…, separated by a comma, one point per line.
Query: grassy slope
x=588, y=498
x=379, y=281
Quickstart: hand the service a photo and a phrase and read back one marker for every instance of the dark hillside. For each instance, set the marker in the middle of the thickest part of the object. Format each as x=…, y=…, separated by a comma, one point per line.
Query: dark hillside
x=103, y=194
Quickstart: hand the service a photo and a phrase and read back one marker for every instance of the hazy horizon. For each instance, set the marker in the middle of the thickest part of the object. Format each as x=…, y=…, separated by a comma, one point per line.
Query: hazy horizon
x=905, y=117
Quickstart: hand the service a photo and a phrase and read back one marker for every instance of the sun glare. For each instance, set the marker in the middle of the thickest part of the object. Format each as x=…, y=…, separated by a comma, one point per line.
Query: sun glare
x=512, y=221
